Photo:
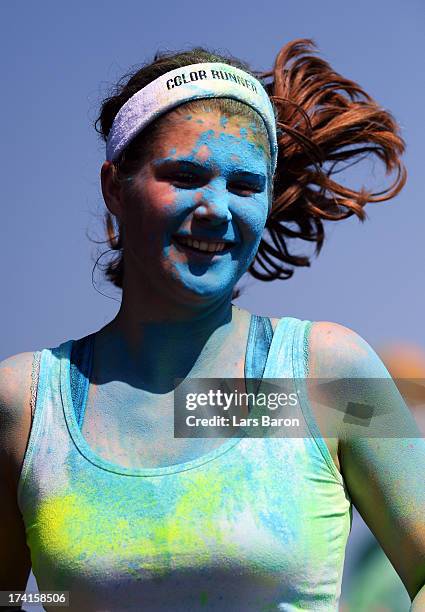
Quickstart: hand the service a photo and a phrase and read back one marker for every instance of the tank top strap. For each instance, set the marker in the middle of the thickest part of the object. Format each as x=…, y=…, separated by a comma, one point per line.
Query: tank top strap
x=35, y=371
x=284, y=352
x=45, y=400
x=259, y=340
x=81, y=365
x=301, y=359
x=289, y=358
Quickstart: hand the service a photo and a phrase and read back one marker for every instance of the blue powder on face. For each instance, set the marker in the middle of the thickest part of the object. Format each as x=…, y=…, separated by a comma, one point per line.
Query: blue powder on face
x=249, y=213
x=220, y=157
x=188, y=117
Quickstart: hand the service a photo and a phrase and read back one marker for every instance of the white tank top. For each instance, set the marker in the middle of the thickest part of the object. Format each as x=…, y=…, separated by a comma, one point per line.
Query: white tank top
x=256, y=525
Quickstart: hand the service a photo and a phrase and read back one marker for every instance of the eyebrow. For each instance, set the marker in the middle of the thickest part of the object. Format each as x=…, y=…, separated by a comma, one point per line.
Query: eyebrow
x=170, y=162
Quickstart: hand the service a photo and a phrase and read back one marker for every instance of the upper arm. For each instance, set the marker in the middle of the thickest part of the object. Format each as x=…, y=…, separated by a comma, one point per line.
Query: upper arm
x=15, y=421
x=382, y=453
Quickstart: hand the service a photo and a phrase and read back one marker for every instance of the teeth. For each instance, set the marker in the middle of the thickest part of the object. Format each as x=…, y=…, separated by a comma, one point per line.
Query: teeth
x=203, y=246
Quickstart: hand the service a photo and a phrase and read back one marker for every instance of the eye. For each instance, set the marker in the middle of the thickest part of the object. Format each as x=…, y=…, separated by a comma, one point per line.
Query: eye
x=189, y=179
x=244, y=187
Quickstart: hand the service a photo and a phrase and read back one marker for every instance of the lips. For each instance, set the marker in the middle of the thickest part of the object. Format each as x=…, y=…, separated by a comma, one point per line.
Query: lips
x=204, y=246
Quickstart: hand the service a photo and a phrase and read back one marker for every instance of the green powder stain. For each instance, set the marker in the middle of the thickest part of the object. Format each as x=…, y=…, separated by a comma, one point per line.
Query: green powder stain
x=203, y=598
x=80, y=527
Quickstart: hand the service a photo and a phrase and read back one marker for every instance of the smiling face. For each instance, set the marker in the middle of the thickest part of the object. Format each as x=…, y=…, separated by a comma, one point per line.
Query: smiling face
x=193, y=215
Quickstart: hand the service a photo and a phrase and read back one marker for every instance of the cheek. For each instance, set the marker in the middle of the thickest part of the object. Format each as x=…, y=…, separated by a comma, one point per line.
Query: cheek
x=157, y=211
x=253, y=219
x=161, y=200
x=149, y=211
x=174, y=262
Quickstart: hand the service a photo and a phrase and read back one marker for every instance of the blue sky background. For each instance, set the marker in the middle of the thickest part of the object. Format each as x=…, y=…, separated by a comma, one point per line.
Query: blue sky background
x=58, y=61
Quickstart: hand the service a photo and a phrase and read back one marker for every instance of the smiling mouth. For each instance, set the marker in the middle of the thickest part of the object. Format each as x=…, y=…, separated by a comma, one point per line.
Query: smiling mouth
x=203, y=246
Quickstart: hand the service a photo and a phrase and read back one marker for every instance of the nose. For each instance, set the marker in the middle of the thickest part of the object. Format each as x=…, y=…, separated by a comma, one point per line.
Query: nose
x=213, y=205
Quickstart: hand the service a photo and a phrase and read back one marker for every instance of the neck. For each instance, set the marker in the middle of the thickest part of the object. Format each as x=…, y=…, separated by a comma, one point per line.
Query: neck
x=153, y=342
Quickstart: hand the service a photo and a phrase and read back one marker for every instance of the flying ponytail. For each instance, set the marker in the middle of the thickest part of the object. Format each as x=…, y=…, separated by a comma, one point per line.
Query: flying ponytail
x=325, y=123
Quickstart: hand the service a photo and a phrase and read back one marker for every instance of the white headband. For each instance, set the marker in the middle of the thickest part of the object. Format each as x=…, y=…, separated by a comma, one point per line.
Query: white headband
x=196, y=81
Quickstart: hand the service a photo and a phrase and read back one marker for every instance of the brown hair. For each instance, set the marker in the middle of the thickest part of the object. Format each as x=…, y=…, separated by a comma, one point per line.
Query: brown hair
x=325, y=122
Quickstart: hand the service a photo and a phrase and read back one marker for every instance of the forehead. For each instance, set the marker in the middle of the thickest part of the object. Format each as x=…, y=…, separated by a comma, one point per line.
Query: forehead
x=186, y=131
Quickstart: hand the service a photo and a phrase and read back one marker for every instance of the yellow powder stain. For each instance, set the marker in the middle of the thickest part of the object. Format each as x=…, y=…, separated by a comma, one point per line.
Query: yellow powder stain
x=73, y=529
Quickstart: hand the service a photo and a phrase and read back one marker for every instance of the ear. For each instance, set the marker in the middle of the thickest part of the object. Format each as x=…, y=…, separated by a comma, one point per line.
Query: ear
x=111, y=189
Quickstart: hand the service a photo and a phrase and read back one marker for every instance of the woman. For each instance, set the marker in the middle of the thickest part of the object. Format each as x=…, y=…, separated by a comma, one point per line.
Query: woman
x=209, y=173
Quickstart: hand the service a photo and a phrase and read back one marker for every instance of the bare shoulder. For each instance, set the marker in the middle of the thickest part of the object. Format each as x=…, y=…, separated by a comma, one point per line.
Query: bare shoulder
x=333, y=344
x=15, y=425
x=336, y=350
x=15, y=412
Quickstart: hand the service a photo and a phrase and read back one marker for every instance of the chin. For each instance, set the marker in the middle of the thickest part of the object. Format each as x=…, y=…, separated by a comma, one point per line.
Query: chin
x=207, y=293
x=197, y=291
x=202, y=281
